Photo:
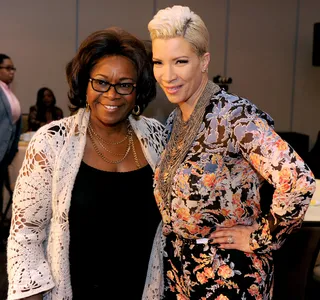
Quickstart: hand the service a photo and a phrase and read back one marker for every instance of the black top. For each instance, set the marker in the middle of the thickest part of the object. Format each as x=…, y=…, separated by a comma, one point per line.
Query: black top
x=113, y=219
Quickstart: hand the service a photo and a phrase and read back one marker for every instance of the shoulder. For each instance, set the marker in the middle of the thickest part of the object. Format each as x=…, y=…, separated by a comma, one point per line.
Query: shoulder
x=149, y=130
x=33, y=108
x=1, y=92
x=58, y=109
x=58, y=112
x=63, y=139
x=54, y=133
x=148, y=124
x=229, y=100
x=234, y=107
x=3, y=96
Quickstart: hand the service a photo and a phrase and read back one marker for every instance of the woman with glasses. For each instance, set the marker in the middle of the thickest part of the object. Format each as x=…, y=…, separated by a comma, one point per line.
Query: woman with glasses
x=84, y=214
x=10, y=121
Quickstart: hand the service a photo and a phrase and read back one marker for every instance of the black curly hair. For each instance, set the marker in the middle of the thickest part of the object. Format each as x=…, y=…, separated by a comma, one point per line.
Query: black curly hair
x=3, y=57
x=103, y=43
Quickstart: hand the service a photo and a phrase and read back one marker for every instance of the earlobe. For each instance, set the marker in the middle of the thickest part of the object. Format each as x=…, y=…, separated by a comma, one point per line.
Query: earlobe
x=205, y=61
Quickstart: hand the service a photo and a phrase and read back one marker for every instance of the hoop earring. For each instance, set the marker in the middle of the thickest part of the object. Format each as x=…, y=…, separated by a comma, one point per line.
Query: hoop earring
x=87, y=107
x=136, y=110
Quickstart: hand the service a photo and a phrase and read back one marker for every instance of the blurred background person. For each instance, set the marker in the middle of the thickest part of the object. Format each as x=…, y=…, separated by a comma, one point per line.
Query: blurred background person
x=10, y=121
x=44, y=111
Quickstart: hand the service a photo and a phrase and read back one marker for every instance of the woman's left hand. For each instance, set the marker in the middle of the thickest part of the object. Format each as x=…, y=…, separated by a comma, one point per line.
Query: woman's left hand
x=236, y=237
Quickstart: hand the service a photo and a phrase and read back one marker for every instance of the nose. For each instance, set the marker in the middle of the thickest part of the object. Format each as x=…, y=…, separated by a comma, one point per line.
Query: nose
x=111, y=93
x=168, y=74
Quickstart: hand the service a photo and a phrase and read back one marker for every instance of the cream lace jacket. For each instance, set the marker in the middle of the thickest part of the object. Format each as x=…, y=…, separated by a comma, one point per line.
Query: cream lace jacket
x=38, y=244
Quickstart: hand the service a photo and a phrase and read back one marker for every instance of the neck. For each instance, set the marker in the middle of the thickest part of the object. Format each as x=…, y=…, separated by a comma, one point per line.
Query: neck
x=188, y=106
x=110, y=133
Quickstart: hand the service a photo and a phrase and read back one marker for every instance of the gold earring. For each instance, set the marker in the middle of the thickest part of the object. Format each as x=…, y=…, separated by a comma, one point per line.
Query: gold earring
x=136, y=110
x=87, y=106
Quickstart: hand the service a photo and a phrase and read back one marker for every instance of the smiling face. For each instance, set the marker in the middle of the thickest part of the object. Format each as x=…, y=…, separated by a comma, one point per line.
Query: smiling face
x=110, y=108
x=178, y=70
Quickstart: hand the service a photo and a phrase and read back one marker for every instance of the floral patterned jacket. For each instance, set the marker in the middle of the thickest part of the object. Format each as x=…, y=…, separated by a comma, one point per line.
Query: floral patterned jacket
x=235, y=150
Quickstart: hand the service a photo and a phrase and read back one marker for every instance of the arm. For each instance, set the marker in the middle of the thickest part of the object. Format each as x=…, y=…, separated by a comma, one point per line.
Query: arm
x=281, y=166
x=6, y=129
x=27, y=266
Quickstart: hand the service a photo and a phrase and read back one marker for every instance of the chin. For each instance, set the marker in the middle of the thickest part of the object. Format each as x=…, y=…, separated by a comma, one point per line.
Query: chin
x=174, y=99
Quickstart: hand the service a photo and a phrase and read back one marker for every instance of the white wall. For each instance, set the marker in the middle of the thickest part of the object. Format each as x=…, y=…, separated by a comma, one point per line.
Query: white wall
x=39, y=36
x=265, y=46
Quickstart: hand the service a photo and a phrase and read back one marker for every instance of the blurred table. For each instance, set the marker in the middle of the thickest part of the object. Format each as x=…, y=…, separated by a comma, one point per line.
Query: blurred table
x=16, y=164
x=312, y=215
x=313, y=212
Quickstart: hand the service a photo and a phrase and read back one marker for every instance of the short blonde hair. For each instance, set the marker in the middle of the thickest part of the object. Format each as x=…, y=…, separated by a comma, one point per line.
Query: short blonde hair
x=178, y=21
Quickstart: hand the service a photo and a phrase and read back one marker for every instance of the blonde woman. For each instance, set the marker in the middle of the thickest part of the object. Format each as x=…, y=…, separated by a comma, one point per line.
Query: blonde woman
x=216, y=243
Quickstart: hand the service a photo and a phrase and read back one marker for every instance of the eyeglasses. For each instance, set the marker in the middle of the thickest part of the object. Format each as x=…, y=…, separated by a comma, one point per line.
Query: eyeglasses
x=101, y=86
x=9, y=68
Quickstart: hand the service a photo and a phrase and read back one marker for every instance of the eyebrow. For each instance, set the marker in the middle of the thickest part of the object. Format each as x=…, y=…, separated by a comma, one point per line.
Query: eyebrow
x=119, y=79
x=175, y=58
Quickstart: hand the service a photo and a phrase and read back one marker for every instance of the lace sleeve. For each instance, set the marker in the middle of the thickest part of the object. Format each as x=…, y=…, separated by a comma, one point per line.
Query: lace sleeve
x=27, y=266
x=153, y=289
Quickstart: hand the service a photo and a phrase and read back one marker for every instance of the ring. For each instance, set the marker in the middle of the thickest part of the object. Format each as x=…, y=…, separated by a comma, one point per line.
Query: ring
x=230, y=240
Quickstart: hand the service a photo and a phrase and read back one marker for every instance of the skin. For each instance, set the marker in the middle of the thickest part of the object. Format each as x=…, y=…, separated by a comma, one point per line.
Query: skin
x=109, y=113
x=5, y=75
x=110, y=109
x=47, y=100
x=180, y=73
x=47, y=97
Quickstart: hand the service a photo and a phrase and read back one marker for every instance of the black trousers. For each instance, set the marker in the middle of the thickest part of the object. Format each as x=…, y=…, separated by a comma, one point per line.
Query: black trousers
x=4, y=182
x=4, y=225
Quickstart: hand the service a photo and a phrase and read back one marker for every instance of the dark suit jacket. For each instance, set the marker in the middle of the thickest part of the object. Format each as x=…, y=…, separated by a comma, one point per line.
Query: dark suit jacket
x=9, y=132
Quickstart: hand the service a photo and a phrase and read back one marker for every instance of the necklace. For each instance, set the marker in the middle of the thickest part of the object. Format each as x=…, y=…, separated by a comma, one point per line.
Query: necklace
x=181, y=139
x=93, y=134
x=95, y=147
x=100, y=139
x=135, y=156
